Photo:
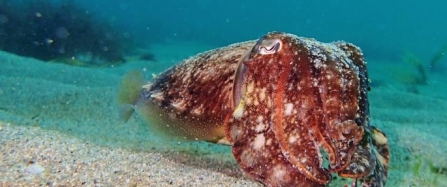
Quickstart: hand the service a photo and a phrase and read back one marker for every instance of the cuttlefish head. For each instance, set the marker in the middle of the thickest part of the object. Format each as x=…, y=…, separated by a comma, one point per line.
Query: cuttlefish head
x=263, y=111
x=266, y=48
x=292, y=97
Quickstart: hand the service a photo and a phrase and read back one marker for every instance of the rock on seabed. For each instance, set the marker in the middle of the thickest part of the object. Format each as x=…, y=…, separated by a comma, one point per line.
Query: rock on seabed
x=34, y=169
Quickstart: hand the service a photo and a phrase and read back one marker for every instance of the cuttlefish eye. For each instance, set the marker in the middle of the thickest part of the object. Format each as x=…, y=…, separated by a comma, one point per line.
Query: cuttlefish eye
x=264, y=46
x=268, y=46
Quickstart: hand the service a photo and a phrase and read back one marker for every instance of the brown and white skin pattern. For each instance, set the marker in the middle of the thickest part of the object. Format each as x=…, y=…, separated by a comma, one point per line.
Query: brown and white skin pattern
x=276, y=101
x=191, y=99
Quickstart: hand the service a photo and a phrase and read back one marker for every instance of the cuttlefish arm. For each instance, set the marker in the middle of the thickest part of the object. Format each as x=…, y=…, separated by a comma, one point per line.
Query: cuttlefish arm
x=293, y=96
x=261, y=113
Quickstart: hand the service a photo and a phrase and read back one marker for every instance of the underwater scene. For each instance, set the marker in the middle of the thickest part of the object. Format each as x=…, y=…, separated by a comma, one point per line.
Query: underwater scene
x=223, y=93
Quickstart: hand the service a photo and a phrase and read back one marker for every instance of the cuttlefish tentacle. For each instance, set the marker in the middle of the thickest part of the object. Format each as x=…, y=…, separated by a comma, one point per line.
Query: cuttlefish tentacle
x=250, y=130
x=338, y=86
x=259, y=154
x=377, y=178
x=296, y=115
x=362, y=161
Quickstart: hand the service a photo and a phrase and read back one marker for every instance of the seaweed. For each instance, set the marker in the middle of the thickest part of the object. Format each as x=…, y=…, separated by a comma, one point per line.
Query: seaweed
x=423, y=69
x=425, y=170
x=414, y=79
x=437, y=58
x=49, y=31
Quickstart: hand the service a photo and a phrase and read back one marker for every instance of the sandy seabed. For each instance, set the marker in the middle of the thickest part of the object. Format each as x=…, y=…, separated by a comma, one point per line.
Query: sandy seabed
x=59, y=127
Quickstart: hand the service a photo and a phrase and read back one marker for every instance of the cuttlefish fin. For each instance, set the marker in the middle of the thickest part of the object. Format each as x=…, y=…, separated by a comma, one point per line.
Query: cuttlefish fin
x=129, y=92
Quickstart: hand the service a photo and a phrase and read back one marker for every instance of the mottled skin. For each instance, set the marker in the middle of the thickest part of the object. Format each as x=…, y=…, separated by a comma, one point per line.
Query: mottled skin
x=276, y=101
x=194, y=97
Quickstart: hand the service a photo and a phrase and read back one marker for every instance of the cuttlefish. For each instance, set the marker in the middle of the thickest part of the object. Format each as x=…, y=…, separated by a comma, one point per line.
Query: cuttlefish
x=294, y=110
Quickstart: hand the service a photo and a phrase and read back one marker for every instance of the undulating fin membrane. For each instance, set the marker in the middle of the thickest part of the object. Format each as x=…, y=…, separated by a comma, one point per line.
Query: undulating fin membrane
x=128, y=92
